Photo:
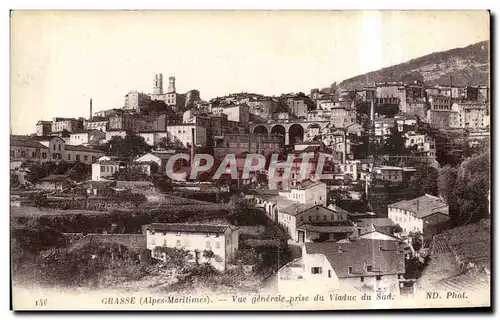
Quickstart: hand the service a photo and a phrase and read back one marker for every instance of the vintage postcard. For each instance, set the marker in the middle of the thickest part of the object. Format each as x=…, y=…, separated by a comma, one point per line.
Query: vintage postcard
x=250, y=160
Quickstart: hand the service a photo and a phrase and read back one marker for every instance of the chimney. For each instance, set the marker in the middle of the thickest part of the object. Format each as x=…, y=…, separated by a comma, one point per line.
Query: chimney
x=192, y=145
x=90, y=117
x=418, y=205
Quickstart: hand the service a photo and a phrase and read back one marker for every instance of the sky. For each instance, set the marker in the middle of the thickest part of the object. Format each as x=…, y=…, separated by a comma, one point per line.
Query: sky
x=61, y=59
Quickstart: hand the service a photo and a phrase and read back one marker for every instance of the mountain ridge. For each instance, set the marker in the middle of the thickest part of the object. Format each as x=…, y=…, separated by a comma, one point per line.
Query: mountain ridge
x=468, y=66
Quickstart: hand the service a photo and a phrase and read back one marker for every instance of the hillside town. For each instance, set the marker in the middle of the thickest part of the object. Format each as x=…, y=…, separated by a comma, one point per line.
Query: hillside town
x=361, y=190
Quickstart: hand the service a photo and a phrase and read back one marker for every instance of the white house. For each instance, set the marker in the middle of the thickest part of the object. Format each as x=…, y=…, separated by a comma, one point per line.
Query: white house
x=418, y=214
x=89, y=137
x=110, y=133
x=307, y=192
x=55, y=144
x=183, y=132
x=149, y=157
x=82, y=154
x=425, y=145
x=198, y=239
x=103, y=170
x=357, y=265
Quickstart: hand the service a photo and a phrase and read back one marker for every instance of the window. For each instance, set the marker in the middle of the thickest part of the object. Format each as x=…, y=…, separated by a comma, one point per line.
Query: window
x=33, y=154
x=69, y=156
x=23, y=153
x=54, y=147
x=103, y=169
x=178, y=243
x=362, y=279
x=329, y=273
x=217, y=245
x=44, y=155
x=316, y=270
x=85, y=157
x=77, y=157
x=12, y=153
x=208, y=244
x=59, y=147
x=164, y=241
x=378, y=278
x=349, y=270
x=369, y=268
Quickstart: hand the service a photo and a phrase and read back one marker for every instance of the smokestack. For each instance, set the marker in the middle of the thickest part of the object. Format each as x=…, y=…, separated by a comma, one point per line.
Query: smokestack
x=192, y=145
x=90, y=117
x=372, y=112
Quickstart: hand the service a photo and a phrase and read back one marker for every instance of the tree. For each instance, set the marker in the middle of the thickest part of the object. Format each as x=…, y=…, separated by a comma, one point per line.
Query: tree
x=424, y=181
x=447, y=180
x=178, y=143
x=80, y=171
x=208, y=254
x=395, y=143
x=131, y=173
x=416, y=240
x=35, y=173
x=397, y=229
x=129, y=147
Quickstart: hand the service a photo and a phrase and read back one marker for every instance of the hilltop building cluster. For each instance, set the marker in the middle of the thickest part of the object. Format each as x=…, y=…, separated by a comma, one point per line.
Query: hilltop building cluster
x=350, y=130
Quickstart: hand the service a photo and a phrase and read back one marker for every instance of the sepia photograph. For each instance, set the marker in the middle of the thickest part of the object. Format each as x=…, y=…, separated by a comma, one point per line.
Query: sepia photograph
x=249, y=160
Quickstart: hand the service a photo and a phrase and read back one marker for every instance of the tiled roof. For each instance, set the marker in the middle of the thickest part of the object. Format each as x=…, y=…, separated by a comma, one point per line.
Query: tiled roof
x=295, y=208
x=306, y=185
x=337, y=226
x=55, y=177
x=382, y=222
x=382, y=255
x=191, y=227
x=423, y=206
x=26, y=143
x=82, y=149
x=371, y=228
x=44, y=138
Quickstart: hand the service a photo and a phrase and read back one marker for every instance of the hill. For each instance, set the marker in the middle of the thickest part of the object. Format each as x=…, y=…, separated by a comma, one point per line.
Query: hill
x=467, y=66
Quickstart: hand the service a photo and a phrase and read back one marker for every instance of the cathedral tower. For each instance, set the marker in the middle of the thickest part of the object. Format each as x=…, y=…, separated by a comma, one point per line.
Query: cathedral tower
x=171, y=85
x=158, y=84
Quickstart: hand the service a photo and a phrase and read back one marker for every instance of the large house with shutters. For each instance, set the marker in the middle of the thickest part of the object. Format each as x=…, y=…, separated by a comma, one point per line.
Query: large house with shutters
x=350, y=265
x=426, y=214
x=197, y=239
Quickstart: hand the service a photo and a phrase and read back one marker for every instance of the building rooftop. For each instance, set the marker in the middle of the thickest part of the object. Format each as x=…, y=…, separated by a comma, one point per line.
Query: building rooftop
x=185, y=227
x=339, y=226
x=45, y=138
x=293, y=208
x=383, y=230
x=307, y=185
x=382, y=222
x=423, y=206
x=55, y=177
x=383, y=255
x=26, y=143
x=82, y=149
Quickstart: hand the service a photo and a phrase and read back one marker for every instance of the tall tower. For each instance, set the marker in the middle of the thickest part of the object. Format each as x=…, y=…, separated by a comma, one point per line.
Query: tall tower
x=158, y=84
x=90, y=116
x=171, y=85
